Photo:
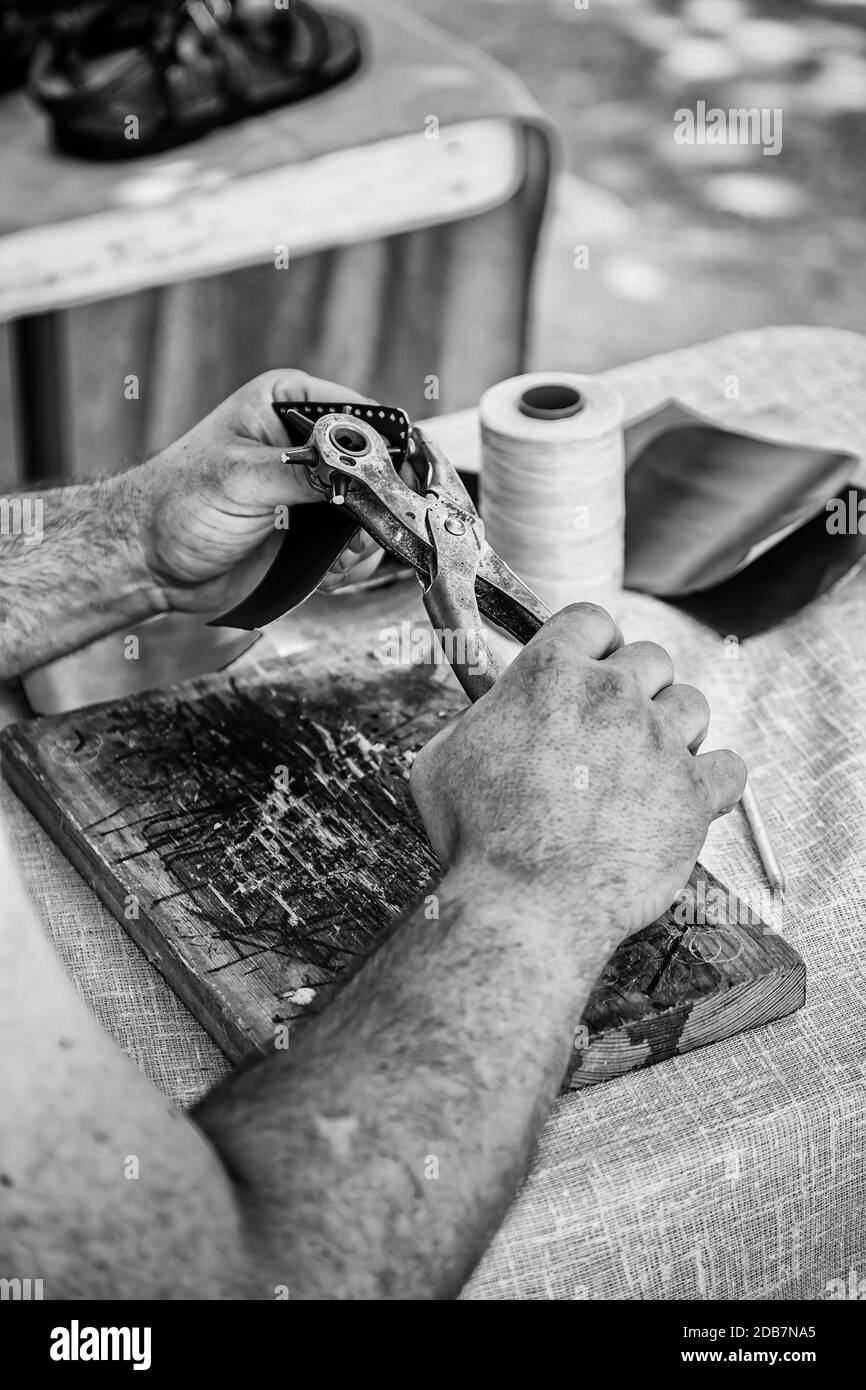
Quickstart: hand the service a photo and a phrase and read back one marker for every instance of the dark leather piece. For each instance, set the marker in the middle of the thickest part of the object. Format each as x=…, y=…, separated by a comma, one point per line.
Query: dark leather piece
x=389, y=420
x=703, y=502
x=804, y=565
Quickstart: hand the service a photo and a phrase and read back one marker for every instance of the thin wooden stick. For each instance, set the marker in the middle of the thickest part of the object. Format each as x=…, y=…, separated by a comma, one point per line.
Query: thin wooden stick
x=763, y=844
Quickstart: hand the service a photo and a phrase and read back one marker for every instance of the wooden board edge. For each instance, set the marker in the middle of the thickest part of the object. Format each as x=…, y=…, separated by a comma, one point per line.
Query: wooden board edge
x=227, y=1031
x=787, y=996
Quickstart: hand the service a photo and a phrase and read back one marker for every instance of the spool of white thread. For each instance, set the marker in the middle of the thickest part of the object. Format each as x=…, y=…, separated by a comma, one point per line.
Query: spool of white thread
x=552, y=484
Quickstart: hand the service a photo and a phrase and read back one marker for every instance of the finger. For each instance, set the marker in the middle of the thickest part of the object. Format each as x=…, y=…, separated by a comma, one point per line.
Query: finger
x=582, y=628
x=246, y=574
x=687, y=709
x=355, y=572
x=723, y=774
x=364, y=566
x=649, y=663
x=256, y=418
x=360, y=548
x=409, y=476
x=257, y=476
x=299, y=386
x=262, y=475
x=362, y=543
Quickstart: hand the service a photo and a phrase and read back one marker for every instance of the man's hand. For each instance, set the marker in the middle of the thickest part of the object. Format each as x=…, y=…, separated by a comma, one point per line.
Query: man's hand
x=569, y=807
x=576, y=777
x=193, y=529
x=208, y=504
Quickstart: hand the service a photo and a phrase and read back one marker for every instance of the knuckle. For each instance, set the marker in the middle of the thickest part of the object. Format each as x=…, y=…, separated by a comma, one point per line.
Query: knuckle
x=537, y=665
x=583, y=614
x=724, y=775
x=261, y=383
x=737, y=769
x=659, y=730
x=697, y=699
x=650, y=652
x=588, y=610
x=605, y=682
x=292, y=379
x=699, y=776
x=571, y=628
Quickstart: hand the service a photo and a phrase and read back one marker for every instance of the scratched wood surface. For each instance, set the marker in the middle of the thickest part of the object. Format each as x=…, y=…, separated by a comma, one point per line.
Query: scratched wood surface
x=255, y=834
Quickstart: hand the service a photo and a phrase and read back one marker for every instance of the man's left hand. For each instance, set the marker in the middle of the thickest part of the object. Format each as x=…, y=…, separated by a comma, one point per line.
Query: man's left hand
x=208, y=506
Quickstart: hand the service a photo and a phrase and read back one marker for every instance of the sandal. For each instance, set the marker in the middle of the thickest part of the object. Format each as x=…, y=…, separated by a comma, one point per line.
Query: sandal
x=124, y=81
x=21, y=28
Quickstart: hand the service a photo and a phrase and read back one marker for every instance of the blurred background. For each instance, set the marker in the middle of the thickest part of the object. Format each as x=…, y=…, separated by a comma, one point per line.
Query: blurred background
x=498, y=192
x=688, y=242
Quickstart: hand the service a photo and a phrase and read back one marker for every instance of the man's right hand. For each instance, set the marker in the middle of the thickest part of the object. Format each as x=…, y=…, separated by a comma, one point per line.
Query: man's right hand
x=577, y=778
x=572, y=807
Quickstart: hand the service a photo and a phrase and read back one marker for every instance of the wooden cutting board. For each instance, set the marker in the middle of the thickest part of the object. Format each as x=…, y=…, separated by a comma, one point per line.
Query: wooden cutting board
x=254, y=834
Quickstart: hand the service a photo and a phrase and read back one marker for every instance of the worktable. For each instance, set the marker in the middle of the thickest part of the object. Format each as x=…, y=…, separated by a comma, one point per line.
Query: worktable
x=734, y=1172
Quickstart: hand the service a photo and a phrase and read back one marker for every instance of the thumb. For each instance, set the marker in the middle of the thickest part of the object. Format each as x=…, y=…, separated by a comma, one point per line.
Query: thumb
x=260, y=475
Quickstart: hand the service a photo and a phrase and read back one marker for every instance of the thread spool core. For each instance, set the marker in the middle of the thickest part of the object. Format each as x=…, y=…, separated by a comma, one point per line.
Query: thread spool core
x=553, y=401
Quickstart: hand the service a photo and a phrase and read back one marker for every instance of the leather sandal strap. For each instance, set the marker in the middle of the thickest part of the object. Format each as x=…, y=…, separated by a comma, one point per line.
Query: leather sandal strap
x=316, y=29
x=231, y=68
x=218, y=27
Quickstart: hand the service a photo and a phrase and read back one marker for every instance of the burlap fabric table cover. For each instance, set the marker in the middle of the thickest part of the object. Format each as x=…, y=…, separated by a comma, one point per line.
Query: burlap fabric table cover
x=739, y=1170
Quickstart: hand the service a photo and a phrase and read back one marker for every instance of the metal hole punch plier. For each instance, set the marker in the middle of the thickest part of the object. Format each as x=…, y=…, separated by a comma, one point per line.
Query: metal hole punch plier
x=434, y=528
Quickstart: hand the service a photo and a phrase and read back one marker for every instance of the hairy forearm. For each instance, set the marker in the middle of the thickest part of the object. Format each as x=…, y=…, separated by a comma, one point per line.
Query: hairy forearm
x=71, y=570
x=377, y=1156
